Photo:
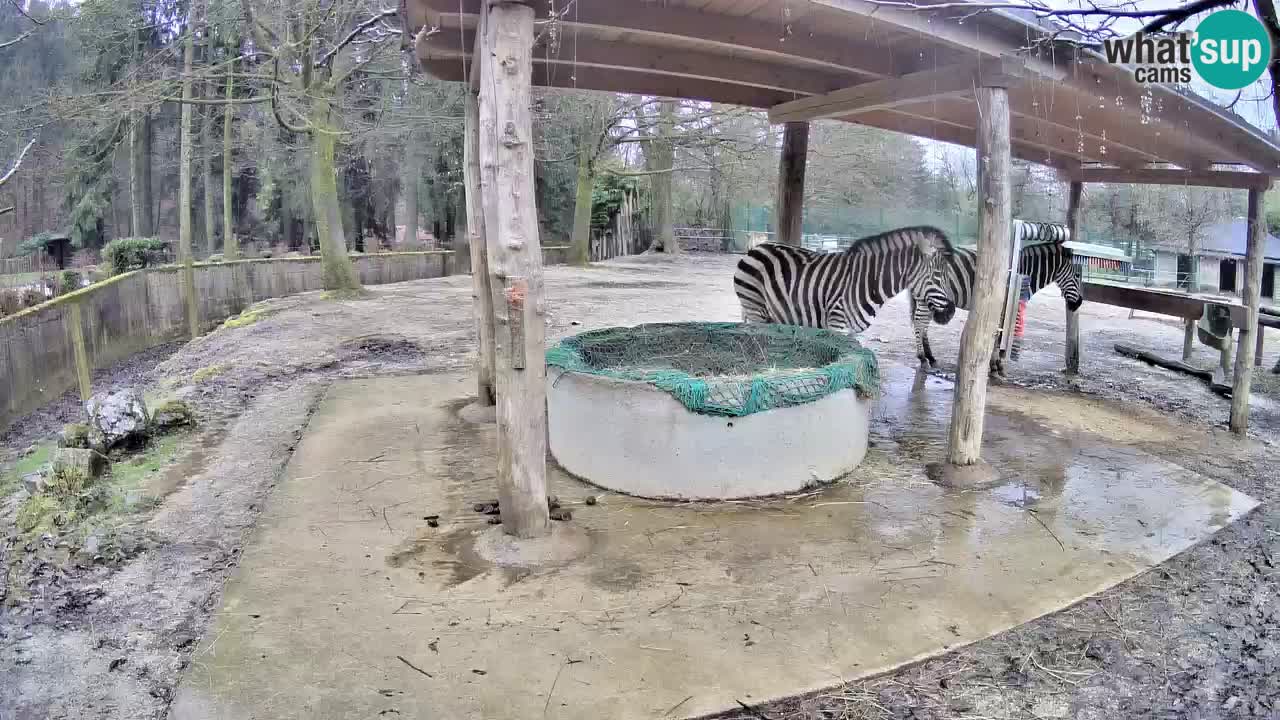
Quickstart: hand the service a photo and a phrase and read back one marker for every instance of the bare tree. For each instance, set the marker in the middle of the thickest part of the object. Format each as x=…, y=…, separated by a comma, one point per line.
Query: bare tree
x=313, y=52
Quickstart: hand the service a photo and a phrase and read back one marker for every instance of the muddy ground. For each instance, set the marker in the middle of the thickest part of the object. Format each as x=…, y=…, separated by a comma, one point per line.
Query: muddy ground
x=1197, y=638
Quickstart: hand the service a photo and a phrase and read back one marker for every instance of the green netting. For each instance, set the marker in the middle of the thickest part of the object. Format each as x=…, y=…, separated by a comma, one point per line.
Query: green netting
x=728, y=369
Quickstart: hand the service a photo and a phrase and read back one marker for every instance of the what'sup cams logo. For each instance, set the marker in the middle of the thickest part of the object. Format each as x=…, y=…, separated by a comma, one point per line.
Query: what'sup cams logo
x=1230, y=50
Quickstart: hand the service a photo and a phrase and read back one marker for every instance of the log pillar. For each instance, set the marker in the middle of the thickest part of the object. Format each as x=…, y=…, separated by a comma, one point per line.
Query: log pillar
x=1073, y=317
x=1252, y=297
x=482, y=294
x=1188, y=339
x=990, y=281
x=515, y=265
x=791, y=169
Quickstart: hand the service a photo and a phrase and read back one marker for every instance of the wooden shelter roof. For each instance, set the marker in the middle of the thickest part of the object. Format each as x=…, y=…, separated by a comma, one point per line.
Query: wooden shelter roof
x=909, y=71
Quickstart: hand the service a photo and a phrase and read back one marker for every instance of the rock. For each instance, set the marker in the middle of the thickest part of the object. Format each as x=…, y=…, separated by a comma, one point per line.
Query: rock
x=74, y=435
x=33, y=483
x=116, y=418
x=92, y=544
x=31, y=450
x=89, y=464
x=591, y=500
x=171, y=414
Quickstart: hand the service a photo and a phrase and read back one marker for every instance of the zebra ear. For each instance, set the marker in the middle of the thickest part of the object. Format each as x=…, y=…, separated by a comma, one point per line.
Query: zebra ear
x=932, y=242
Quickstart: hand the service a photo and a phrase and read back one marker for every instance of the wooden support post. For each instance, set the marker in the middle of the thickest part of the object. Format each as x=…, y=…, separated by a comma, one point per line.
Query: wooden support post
x=1257, y=350
x=1189, y=340
x=515, y=266
x=791, y=167
x=1252, y=297
x=1073, y=318
x=75, y=328
x=994, y=220
x=482, y=302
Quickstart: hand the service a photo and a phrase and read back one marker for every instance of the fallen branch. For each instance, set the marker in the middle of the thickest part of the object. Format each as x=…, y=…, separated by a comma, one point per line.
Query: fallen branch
x=1177, y=366
x=415, y=667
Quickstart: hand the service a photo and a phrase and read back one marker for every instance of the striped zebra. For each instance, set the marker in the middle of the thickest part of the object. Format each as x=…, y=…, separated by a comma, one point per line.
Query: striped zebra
x=842, y=291
x=1044, y=260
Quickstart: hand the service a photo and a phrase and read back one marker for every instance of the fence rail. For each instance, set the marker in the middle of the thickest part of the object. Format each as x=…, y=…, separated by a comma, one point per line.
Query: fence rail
x=144, y=308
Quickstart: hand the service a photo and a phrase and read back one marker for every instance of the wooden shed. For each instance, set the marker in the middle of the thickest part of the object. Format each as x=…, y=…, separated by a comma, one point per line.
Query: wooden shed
x=999, y=82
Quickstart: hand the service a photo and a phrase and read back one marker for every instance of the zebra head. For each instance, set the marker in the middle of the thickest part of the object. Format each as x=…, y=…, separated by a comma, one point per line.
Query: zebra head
x=1069, y=282
x=931, y=280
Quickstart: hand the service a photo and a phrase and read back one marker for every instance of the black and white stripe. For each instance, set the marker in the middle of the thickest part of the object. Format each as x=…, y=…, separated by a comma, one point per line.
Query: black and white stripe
x=842, y=291
x=1044, y=260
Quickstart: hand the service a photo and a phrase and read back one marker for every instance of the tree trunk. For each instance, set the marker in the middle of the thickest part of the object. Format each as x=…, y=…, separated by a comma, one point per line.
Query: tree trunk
x=1267, y=11
x=515, y=257
x=230, y=247
x=184, y=184
x=1075, y=191
x=140, y=200
x=580, y=245
x=663, y=151
x=206, y=171
x=990, y=286
x=412, y=179
x=482, y=293
x=1243, y=376
x=339, y=272
x=791, y=170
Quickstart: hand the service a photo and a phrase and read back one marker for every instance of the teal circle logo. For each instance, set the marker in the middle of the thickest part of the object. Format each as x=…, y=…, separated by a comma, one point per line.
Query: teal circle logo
x=1232, y=49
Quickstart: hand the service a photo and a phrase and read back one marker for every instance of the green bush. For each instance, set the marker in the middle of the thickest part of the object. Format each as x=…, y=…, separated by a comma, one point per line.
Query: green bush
x=68, y=281
x=134, y=253
x=10, y=301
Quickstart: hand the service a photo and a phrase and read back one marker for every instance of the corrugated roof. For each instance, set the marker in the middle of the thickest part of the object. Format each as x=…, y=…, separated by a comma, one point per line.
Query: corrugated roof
x=1232, y=238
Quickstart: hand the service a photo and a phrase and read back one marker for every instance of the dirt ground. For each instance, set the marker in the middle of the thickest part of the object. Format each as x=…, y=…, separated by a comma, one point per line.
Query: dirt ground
x=1197, y=638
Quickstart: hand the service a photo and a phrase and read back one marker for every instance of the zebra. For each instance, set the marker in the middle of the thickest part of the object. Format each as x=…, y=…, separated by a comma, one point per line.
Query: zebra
x=841, y=291
x=1045, y=260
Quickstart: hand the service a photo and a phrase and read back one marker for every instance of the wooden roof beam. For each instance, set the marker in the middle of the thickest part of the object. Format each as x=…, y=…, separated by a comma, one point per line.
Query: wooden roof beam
x=718, y=33
x=944, y=82
x=1233, y=179
x=966, y=136
x=588, y=51
x=1034, y=101
x=968, y=38
x=626, y=81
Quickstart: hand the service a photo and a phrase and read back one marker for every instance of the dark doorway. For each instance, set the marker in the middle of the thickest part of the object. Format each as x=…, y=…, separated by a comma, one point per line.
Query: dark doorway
x=1227, y=276
x=1269, y=280
x=1184, y=271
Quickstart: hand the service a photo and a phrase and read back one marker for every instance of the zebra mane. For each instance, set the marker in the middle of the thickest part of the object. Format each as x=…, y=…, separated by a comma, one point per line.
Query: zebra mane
x=926, y=238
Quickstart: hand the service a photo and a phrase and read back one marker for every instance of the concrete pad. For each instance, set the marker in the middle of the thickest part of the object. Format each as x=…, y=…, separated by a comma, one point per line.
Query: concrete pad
x=347, y=605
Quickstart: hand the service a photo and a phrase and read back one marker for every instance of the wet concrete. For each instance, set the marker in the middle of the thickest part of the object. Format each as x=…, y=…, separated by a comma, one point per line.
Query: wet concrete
x=346, y=604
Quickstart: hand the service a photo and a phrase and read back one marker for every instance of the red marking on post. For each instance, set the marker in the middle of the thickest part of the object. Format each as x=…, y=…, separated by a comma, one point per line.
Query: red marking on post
x=517, y=293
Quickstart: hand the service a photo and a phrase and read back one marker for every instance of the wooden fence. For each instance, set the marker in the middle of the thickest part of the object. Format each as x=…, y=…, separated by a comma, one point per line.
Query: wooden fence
x=109, y=321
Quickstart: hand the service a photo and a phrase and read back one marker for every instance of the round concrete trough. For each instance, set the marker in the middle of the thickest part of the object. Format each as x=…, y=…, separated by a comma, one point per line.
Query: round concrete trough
x=637, y=439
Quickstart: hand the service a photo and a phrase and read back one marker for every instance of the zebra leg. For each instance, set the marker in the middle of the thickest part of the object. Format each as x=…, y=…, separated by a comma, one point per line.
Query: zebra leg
x=920, y=318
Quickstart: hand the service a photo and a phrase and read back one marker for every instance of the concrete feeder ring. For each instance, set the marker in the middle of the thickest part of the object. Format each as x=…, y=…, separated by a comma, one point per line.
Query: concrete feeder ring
x=709, y=411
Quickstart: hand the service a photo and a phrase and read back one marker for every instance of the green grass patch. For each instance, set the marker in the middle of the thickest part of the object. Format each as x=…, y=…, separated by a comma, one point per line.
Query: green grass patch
x=209, y=371
x=250, y=316
x=11, y=479
x=134, y=473
x=132, y=485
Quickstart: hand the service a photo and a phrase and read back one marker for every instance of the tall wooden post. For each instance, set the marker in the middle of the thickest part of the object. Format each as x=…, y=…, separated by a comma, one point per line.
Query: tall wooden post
x=1073, y=318
x=994, y=220
x=1188, y=339
x=791, y=167
x=1252, y=296
x=482, y=294
x=515, y=265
